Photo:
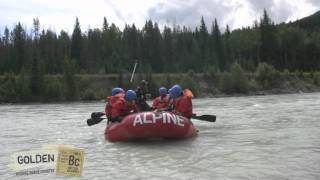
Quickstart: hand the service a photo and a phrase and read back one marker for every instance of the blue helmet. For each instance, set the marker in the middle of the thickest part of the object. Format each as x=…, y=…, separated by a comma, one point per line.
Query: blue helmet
x=130, y=95
x=163, y=90
x=175, y=91
x=116, y=90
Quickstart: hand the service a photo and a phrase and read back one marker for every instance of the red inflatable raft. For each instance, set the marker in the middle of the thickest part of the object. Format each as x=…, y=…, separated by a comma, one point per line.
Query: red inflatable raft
x=150, y=125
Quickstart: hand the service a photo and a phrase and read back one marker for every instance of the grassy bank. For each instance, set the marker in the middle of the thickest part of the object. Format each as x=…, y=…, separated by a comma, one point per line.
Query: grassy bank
x=265, y=80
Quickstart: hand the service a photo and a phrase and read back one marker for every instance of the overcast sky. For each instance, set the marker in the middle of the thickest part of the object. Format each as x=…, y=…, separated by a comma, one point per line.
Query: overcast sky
x=61, y=14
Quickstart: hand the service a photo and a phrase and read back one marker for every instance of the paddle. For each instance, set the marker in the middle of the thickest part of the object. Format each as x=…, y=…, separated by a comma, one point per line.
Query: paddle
x=95, y=118
x=96, y=114
x=93, y=121
x=134, y=70
x=206, y=117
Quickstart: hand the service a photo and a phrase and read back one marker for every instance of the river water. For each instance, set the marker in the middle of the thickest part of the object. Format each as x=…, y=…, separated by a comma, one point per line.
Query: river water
x=259, y=137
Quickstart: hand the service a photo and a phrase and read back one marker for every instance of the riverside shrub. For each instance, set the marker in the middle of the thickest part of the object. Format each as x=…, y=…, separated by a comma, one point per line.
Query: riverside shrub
x=234, y=82
x=8, y=88
x=23, y=89
x=316, y=78
x=54, y=90
x=267, y=76
x=89, y=95
x=189, y=82
x=226, y=83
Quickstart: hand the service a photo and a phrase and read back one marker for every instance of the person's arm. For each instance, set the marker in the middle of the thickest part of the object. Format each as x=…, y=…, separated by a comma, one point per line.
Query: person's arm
x=135, y=108
x=155, y=103
x=106, y=109
x=170, y=106
x=117, y=119
x=188, y=108
x=185, y=108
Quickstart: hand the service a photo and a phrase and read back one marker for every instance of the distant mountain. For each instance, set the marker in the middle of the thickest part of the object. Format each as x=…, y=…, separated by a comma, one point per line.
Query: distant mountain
x=311, y=23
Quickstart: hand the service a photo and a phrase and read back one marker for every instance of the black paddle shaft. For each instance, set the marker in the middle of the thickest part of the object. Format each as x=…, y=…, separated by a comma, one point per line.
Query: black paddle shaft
x=206, y=117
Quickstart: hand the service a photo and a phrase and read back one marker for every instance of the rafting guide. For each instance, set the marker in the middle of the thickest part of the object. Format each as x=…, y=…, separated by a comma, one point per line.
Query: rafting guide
x=65, y=160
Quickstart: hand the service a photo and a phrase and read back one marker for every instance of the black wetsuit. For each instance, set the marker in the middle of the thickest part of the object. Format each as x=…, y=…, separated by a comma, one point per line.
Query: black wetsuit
x=142, y=98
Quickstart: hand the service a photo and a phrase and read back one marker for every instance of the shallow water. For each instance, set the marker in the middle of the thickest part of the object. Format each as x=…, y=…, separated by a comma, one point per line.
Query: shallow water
x=262, y=137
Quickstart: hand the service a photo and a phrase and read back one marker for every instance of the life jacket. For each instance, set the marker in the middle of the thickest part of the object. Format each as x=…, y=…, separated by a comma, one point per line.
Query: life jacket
x=123, y=108
x=183, y=105
x=111, y=101
x=161, y=102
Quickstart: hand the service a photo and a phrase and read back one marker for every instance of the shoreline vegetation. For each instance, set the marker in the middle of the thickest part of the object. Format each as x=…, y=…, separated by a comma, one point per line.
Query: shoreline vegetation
x=265, y=80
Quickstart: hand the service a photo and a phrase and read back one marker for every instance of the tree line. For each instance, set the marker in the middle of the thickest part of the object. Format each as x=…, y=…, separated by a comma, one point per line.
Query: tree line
x=174, y=49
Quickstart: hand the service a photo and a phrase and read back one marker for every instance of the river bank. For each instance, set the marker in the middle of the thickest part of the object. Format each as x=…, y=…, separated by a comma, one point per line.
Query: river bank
x=293, y=86
x=85, y=87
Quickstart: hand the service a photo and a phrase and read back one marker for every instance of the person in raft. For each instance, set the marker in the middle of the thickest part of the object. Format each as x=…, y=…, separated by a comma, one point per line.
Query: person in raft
x=182, y=103
x=116, y=94
x=141, y=92
x=124, y=106
x=163, y=101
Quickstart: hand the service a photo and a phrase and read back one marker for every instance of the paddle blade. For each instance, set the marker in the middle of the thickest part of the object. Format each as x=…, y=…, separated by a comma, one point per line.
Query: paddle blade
x=96, y=115
x=209, y=118
x=93, y=121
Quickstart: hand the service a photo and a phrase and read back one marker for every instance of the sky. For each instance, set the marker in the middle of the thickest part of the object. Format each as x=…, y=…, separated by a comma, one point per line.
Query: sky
x=61, y=14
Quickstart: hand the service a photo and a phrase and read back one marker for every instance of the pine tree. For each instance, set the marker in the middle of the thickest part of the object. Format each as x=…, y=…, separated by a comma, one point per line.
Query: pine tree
x=228, y=52
x=167, y=49
x=5, y=55
x=203, y=44
x=76, y=44
x=36, y=36
x=157, y=64
x=106, y=44
x=113, y=62
x=6, y=36
x=93, y=50
x=36, y=28
x=2, y=60
x=37, y=78
x=105, y=25
x=63, y=49
x=131, y=44
x=218, y=46
x=134, y=45
x=19, y=49
x=69, y=80
x=268, y=40
x=147, y=43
